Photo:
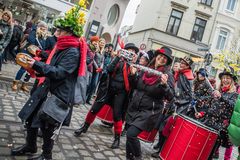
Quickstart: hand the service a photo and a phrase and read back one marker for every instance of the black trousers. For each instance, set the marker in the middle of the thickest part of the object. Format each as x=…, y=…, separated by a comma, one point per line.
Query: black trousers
x=47, y=132
x=133, y=146
x=116, y=99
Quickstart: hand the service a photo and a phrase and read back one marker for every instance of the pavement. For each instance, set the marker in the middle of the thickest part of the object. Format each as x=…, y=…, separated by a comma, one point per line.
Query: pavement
x=94, y=145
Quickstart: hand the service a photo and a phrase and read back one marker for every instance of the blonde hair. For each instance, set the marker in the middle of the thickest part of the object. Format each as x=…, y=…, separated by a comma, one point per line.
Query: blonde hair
x=232, y=86
x=9, y=13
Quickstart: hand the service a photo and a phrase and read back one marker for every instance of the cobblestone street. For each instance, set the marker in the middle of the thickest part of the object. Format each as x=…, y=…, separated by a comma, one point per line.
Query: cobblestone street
x=93, y=145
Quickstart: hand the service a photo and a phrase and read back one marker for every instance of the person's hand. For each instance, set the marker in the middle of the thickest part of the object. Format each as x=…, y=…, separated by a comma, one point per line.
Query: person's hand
x=198, y=115
x=164, y=79
x=216, y=94
x=98, y=70
x=133, y=70
x=118, y=54
x=30, y=62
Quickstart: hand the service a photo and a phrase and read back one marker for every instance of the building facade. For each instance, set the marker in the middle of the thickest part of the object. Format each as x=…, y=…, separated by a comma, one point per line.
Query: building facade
x=226, y=33
x=184, y=25
x=105, y=19
x=33, y=10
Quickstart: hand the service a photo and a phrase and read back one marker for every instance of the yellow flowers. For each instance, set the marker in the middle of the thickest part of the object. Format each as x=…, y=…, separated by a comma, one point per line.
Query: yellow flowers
x=82, y=4
x=227, y=58
x=81, y=20
x=74, y=19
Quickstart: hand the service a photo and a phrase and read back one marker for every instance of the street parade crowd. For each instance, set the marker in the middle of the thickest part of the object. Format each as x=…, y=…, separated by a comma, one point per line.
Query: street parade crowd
x=140, y=94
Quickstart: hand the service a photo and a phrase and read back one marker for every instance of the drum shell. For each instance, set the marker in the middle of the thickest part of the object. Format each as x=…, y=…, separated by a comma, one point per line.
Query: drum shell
x=106, y=114
x=148, y=136
x=188, y=140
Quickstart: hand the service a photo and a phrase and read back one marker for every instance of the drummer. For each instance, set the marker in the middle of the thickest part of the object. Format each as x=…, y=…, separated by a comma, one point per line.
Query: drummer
x=184, y=85
x=202, y=90
x=147, y=103
x=218, y=114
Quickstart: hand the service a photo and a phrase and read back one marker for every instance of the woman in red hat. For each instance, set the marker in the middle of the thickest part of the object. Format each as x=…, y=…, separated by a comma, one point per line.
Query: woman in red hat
x=147, y=103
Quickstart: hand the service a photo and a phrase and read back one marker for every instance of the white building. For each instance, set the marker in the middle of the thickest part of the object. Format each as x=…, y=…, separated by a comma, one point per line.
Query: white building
x=183, y=25
x=226, y=33
x=47, y=10
x=105, y=18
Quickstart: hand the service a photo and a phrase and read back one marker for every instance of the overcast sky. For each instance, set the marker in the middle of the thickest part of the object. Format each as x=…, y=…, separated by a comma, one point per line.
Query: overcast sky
x=130, y=15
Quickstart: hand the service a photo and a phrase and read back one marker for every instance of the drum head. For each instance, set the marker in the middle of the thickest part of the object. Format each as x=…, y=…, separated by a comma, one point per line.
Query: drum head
x=197, y=123
x=21, y=59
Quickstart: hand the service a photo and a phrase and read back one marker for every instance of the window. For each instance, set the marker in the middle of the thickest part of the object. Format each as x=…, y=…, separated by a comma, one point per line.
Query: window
x=231, y=5
x=222, y=37
x=113, y=15
x=198, y=29
x=174, y=22
x=207, y=2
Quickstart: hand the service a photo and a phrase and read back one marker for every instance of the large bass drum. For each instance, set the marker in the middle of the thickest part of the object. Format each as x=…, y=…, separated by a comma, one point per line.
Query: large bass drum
x=189, y=140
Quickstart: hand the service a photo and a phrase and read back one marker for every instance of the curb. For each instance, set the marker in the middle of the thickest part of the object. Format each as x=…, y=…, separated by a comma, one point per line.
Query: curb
x=10, y=79
x=5, y=78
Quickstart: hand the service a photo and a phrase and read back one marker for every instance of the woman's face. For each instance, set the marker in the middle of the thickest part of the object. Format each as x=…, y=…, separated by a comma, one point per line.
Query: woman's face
x=43, y=29
x=226, y=80
x=143, y=61
x=62, y=32
x=200, y=77
x=5, y=17
x=176, y=66
x=183, y=65
x=102, y=43
x=161, y=60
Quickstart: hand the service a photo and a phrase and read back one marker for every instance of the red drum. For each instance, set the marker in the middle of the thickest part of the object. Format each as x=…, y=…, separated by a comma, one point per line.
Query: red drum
x=189, y=140
x=106, y=114
x=148, y=136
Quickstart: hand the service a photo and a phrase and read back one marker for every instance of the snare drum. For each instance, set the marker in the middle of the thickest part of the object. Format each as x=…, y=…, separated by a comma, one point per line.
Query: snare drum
x=106, y=114
x=21, y=59
x=189, y=140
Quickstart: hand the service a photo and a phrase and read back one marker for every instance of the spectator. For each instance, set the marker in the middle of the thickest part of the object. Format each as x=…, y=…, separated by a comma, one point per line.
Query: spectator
x=6, y=30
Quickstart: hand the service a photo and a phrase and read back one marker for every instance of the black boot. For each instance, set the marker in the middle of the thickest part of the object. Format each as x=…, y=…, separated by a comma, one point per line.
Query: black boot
x=116, y=142
x=156, y=146
x=81, y=130
x=23, y=150
x=42, y=157
x=155, y=154
x=31, y=144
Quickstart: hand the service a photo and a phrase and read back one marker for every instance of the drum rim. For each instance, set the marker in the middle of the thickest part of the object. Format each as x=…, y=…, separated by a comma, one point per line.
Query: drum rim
x=200, y=124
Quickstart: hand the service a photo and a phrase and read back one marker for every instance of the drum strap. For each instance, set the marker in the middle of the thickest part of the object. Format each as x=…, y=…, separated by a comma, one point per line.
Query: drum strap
x=39, y=43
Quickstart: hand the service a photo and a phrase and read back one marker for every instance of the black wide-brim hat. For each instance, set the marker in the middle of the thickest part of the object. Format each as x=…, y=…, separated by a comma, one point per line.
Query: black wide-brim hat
x=188, y=60
x=166, y=52
x=131, y=46
x=228, y=74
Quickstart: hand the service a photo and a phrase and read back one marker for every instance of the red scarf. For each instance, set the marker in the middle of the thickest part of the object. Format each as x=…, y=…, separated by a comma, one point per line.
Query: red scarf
x=186, y=72
x=150, y=79
x=226, y=89
x=65, y=42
